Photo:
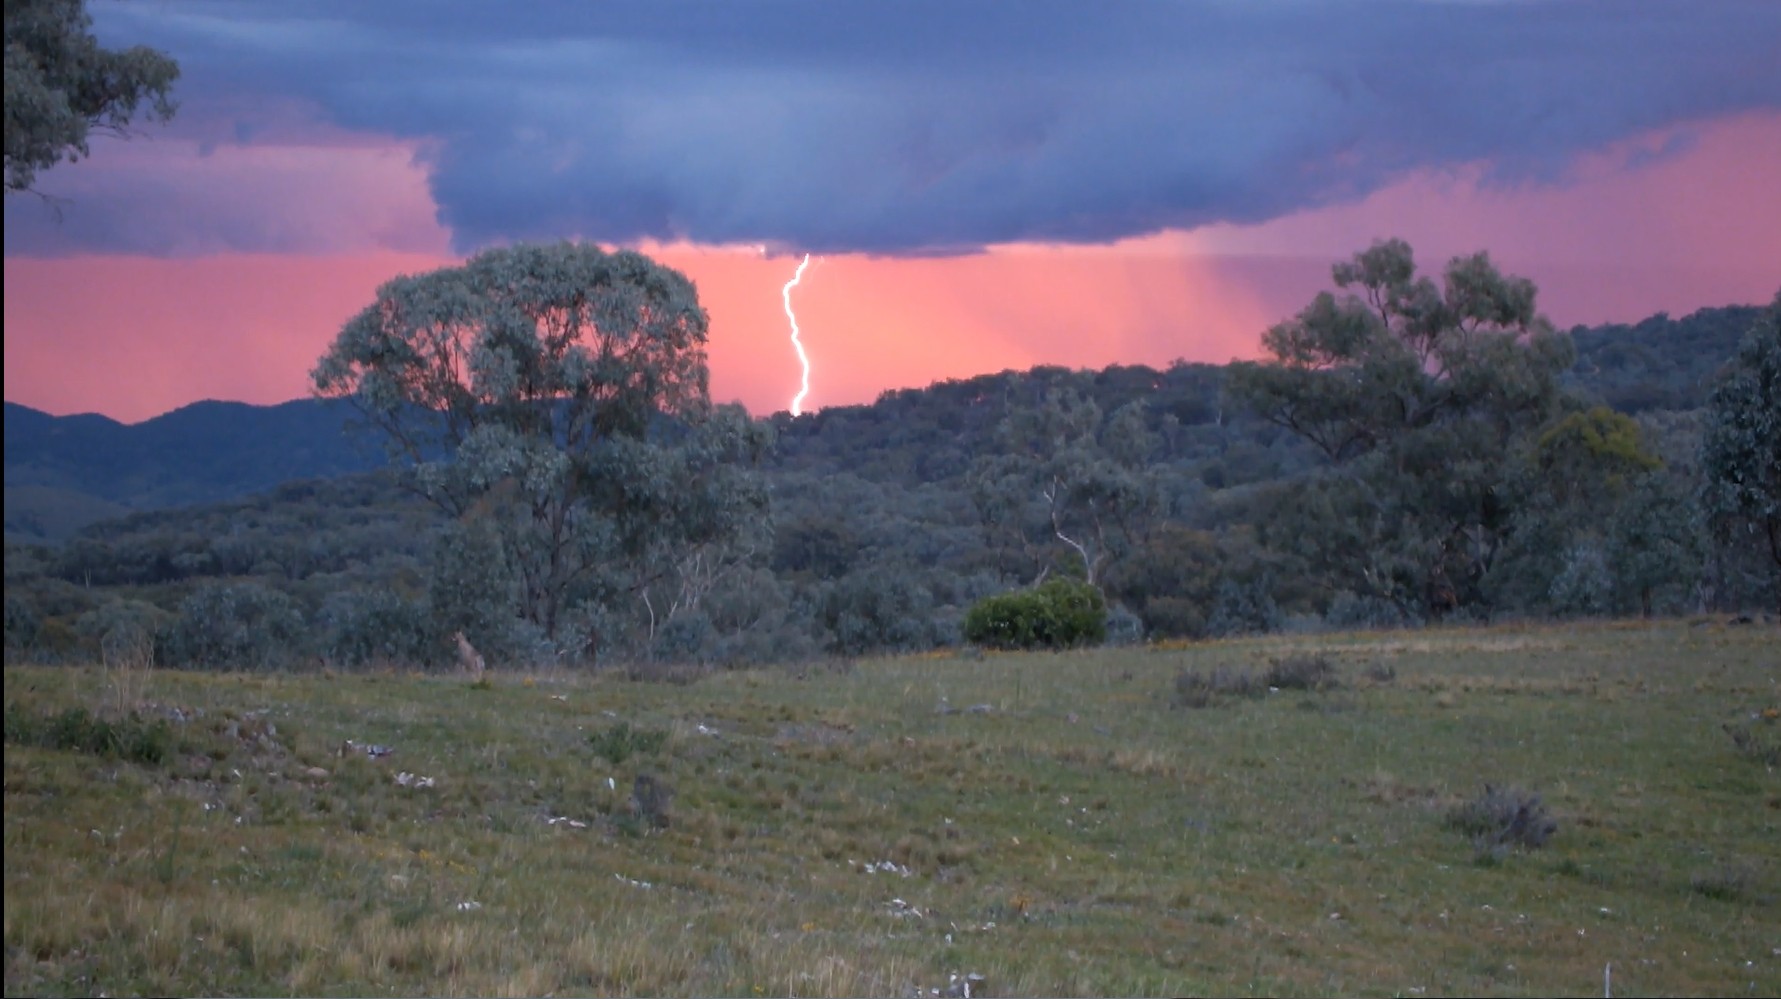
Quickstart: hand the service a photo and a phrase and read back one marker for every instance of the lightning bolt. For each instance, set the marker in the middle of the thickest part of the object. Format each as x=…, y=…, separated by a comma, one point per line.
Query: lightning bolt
x=797, y=344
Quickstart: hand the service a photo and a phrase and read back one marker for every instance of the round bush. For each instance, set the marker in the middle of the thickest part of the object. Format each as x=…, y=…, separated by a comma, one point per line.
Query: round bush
x=236, y=626
x=1061, y=613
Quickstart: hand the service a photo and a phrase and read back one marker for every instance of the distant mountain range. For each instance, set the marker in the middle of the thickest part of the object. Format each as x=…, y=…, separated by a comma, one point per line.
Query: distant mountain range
x=65, y=471
x=62, y=472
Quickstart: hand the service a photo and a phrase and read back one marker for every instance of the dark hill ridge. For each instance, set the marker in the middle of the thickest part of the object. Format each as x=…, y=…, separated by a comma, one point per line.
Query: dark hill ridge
x=214, y=451
x=196, y=454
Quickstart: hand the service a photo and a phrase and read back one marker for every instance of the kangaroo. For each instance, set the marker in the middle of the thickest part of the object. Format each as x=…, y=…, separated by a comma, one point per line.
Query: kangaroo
x=468, y=657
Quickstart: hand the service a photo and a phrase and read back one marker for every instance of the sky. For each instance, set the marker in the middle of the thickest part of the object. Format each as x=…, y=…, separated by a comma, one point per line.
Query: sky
x=982, y=185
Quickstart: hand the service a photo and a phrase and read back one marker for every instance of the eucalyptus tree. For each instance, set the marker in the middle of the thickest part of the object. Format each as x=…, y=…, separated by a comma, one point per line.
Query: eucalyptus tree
x=1418, y=395
x=1061, y=475
x=1597, y=527
x=1655, y=546
x=554, y=401
x=61, y=85
x=1741, y=448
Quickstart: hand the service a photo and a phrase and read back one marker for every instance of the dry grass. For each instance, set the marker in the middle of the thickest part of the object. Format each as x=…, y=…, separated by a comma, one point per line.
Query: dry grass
x=128, y=662
x=837, y=834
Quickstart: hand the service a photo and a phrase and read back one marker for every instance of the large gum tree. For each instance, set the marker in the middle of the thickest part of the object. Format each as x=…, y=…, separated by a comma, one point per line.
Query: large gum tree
x=1420, y=395
x=553, y=401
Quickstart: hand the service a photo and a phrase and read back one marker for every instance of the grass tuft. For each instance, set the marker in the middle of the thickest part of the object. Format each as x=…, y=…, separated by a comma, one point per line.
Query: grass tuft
x=1499, y=819
x=1758, y=738
x=650, y=798
x=620, y=742
x=1303, y=671
x=1201, y=688
x=1729, y=882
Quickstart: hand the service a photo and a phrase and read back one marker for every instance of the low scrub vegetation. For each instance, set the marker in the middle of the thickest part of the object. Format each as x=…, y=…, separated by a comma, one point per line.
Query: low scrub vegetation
x=1302, y=672
x=131, y=738
x=1738, y=881
x=1500, y=819
x=1198, y=688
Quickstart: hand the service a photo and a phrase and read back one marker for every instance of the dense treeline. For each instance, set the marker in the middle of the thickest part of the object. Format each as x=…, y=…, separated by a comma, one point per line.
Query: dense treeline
x=1658, y=363
x=1413, y=450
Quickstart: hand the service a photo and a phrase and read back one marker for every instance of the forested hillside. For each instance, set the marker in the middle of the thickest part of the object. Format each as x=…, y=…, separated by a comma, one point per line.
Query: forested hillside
x=1659, y=363
x=1172, y=491
x=211, y=451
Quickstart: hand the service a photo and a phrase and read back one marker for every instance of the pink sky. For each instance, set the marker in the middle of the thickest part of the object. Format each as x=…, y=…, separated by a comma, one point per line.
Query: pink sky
x=1672, y=222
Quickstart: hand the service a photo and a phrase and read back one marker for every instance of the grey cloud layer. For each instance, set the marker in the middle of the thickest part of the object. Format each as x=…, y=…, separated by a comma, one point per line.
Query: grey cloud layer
x=939, y=127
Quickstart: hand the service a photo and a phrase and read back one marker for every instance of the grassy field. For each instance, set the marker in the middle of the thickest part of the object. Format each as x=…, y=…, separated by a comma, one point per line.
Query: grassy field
x=1058, y=824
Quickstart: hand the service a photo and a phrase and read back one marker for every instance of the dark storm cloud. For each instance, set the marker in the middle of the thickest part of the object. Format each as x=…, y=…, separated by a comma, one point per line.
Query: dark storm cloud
x=938, y=127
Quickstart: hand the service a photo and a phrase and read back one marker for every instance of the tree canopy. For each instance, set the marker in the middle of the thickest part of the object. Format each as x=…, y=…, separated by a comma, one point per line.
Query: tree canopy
x=1420, y=395
x=889, y=521
x=61, y=85
x=554, y=401
x=1063, y=475
x=1741, y=449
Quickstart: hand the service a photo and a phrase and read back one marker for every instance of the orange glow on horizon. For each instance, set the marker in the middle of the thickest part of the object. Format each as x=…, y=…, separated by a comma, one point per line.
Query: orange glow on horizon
x=871, y=324
x=133, y=337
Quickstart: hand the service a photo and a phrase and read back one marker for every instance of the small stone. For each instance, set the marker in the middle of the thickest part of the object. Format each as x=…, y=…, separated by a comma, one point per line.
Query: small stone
x=316, y=773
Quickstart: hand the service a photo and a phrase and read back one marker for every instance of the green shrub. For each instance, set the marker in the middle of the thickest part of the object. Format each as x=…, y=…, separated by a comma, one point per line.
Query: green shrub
x=78, y=730
x=685, y=638
x=367, y=627
x=1124, y=627
x=1353, y=612
x=23, y=622
x=1243, y=608
x=243, y=626
x=879, y=610
x=1059, y=614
